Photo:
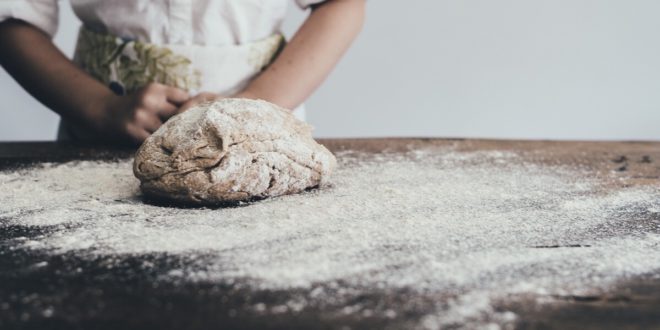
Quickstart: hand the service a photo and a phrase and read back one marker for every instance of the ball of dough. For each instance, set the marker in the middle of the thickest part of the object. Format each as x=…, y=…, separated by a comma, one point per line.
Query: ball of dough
x=231, y=150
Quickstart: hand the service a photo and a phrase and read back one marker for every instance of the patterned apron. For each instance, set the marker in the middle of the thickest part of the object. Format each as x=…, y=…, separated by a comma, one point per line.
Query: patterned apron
x=126, y=65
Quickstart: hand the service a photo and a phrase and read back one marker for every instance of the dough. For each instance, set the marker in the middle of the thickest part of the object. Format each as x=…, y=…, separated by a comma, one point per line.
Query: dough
x=231, y=150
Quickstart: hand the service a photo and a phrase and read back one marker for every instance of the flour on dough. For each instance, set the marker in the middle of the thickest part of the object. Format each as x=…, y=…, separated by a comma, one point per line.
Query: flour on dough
x=231, y=150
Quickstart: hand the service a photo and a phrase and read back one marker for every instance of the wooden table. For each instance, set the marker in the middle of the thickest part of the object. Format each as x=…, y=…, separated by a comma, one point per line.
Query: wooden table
x=124, y=298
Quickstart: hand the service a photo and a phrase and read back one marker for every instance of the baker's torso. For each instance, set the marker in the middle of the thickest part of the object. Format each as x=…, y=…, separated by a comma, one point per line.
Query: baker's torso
x=184, y=22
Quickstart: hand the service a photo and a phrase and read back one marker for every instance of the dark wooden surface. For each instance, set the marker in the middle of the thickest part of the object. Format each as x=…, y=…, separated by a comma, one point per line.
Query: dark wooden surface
x=125, y=298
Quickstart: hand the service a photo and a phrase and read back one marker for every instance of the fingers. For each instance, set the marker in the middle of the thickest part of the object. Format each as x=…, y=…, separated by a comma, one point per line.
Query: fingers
x=176, y=96
x=187, y=105
x=198, y=99
x=206, y=97
x=136, y=134
x=144, y=124
x=139, y=114
x=147, y=120
x=164, y=102
x=165, y=110
x=171, y=94
x=161, y=100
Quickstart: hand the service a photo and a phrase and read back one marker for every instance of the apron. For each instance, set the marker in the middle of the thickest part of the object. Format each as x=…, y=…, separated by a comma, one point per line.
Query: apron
x=126, y=65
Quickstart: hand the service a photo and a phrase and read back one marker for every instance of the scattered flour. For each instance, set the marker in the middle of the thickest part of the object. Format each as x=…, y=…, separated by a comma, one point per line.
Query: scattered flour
x=463, y=226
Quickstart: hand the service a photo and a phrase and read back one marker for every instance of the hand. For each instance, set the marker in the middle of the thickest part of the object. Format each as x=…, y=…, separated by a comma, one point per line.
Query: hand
x=202, y=97
x=311, y=54
x=132, y=118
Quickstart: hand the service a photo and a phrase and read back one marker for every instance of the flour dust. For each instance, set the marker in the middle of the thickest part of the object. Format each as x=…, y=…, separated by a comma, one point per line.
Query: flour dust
x=464, y=229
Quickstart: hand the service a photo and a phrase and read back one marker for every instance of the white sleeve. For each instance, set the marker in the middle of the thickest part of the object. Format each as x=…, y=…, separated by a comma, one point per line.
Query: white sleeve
x=41, y=13
x=304, y=4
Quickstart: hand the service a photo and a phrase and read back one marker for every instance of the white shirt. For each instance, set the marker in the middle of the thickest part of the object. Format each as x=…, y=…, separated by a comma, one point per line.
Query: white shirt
x=179, y=22
x=218, y=36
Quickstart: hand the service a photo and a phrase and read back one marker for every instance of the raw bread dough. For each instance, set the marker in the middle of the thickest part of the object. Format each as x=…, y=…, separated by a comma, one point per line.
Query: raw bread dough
x=231, y=150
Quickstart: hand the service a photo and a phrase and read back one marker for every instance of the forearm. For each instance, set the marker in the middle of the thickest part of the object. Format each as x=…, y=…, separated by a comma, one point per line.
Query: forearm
x=310, y=56
x=34, y=61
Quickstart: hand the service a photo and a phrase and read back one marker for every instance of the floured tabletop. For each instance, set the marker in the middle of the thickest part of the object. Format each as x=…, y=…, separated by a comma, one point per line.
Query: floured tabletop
x=411, y=233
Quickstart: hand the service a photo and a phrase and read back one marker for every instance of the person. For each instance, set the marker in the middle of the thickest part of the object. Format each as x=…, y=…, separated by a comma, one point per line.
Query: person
x=139, y=62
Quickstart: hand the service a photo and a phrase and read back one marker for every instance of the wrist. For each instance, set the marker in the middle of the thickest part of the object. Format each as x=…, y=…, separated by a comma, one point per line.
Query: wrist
x=99, y=110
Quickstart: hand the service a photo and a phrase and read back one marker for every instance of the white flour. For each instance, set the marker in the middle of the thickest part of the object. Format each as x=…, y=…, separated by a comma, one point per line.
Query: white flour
x=463, y=226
